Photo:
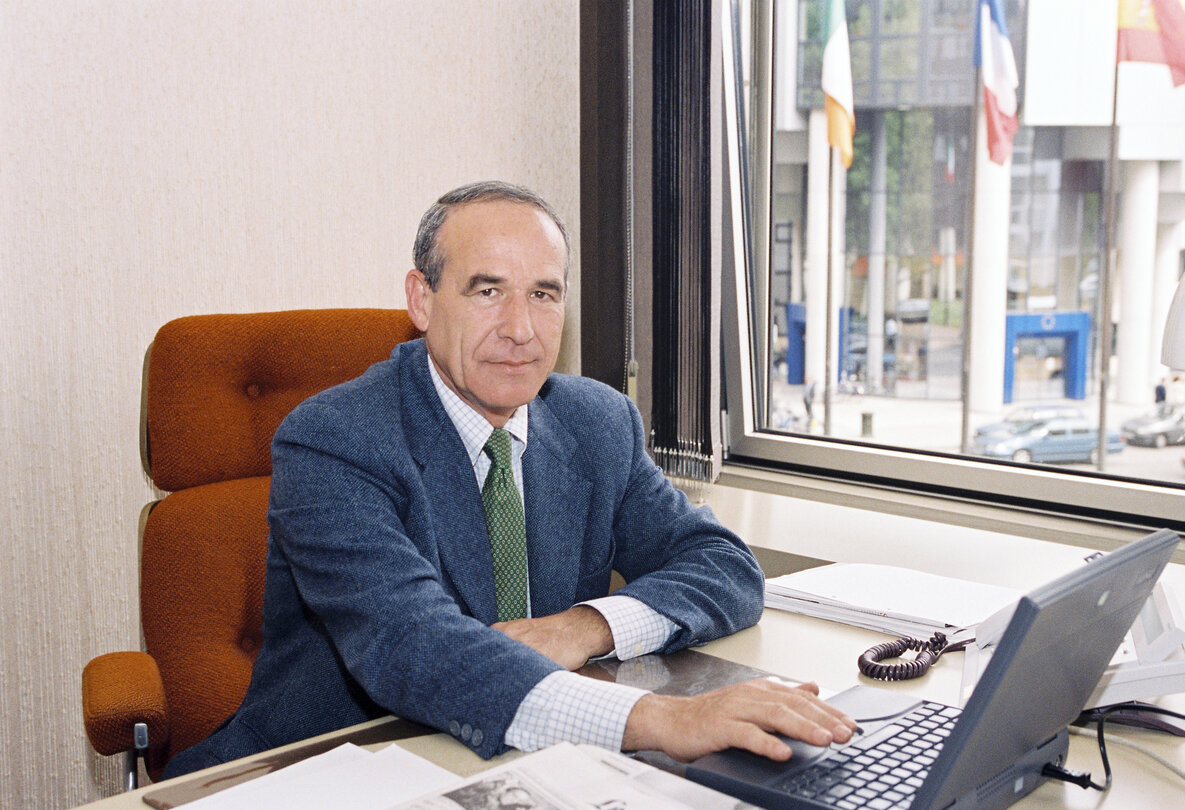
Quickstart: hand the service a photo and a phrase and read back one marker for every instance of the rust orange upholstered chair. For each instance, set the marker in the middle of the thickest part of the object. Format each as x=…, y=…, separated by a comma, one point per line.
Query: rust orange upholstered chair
x=215, y=389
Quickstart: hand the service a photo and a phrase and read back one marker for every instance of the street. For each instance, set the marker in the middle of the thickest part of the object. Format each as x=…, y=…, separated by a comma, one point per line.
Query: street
x=928, y=424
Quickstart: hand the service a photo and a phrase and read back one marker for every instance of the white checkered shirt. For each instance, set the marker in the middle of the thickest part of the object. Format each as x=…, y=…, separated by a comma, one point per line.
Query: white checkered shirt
x=564, y=706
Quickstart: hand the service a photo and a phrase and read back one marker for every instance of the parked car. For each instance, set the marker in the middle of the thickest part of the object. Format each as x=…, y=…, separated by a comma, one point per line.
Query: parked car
x=1048, y=440
x=1165, y=425
x=1026, y=414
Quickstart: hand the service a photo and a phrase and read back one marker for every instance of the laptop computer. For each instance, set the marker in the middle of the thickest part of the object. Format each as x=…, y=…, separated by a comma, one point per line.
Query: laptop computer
x=919, y=754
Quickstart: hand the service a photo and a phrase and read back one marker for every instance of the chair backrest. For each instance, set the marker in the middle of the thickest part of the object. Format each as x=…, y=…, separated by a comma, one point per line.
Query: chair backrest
x=216, y=387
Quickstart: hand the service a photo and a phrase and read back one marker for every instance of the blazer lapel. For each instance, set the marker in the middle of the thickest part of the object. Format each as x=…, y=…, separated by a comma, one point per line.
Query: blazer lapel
x=454, y=500
x=557, y=498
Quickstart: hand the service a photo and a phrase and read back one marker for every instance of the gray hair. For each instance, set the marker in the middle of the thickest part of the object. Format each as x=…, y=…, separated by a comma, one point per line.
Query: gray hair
x=426, y=253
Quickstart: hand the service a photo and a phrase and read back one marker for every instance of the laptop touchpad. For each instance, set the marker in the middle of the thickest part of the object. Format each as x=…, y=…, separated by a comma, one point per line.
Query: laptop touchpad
x=865, y=704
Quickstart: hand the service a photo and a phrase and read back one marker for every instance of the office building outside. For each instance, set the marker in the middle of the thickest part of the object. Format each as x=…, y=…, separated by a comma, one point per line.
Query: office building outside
x=923, y=220
x=914, y=192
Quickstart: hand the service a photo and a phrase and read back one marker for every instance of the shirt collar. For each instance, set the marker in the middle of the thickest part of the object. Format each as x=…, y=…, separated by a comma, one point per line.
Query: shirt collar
x=474, y=428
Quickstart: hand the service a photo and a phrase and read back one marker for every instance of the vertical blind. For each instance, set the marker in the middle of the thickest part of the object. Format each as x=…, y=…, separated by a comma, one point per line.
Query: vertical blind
x=685, y=422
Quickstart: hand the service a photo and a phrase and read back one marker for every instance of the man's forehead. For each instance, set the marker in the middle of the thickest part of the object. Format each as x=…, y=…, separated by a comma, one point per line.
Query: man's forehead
x=495, y=215
x=499, y=240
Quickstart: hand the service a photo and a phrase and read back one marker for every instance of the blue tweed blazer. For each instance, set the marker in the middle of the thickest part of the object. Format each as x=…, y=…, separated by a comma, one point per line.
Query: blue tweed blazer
x=380, y=591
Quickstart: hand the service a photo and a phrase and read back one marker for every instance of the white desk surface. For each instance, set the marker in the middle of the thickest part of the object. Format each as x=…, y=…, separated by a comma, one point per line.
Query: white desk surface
x=801, y=648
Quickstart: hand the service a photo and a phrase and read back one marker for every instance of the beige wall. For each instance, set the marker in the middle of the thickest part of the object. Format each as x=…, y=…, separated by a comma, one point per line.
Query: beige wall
x=160, y=159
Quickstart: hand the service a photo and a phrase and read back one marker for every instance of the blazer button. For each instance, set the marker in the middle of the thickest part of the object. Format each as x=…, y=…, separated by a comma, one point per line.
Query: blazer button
x=454, y=728
x=466, y=732
x=477, y=737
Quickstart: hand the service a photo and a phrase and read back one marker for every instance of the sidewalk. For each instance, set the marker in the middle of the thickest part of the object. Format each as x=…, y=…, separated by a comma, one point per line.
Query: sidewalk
x=922, y=424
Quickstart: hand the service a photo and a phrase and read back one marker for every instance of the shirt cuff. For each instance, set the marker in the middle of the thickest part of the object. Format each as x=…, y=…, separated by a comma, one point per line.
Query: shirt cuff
x=566, y=707
x=636, y=627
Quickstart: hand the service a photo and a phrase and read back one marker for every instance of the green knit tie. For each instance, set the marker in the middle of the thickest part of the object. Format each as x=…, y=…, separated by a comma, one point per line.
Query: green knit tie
x=507, y=529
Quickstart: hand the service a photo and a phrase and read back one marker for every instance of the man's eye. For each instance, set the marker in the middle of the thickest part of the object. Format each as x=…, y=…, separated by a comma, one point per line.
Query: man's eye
x=488, y=292
x=543, y=295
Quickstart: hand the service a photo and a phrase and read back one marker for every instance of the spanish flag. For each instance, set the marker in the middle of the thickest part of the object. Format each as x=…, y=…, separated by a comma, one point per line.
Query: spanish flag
x=837, y=82
x=1153, y=31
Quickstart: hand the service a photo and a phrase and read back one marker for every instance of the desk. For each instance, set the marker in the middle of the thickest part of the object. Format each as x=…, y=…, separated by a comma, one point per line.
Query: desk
x=797, y=646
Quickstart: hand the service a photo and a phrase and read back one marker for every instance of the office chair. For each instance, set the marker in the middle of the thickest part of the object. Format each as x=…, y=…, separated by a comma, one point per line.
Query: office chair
x=215, y=389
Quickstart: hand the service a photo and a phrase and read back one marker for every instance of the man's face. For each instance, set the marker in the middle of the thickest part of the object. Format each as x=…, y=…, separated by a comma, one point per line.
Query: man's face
x=493, y=325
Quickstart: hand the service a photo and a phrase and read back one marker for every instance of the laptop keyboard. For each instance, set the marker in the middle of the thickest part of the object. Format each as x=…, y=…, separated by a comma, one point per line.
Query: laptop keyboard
x=881, y=770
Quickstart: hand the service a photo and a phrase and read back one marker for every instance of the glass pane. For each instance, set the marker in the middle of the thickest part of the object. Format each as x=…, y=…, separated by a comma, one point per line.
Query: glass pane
x=881, y=353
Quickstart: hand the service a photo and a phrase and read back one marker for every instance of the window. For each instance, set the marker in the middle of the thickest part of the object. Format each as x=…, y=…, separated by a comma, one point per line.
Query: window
x=875, y=390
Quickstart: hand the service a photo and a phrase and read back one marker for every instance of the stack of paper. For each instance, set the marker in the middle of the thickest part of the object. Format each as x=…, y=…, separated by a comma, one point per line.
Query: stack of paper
x=347, y=776
x=893, y=600
x=576, y=777
x=563, y=777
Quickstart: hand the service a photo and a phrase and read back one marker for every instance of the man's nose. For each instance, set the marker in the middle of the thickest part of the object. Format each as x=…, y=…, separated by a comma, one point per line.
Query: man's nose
x=516, y=320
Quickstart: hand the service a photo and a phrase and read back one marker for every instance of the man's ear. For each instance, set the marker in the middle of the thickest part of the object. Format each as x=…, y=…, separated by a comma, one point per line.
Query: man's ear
x=419, y=298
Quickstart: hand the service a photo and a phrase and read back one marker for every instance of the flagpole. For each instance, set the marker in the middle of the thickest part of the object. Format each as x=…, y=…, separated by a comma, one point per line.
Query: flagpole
x=829, y=328
x=969, y=264
x=1107, y=269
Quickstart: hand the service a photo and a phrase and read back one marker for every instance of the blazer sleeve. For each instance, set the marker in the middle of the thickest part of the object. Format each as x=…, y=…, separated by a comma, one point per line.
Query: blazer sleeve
x=350, y=517
x=679, y=559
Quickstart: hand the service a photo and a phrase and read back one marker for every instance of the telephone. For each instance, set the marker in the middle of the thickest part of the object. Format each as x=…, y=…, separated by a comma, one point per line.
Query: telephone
x=1149, y=663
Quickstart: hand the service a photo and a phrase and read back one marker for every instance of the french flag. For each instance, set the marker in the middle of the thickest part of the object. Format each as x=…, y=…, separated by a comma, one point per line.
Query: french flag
x=993, y=56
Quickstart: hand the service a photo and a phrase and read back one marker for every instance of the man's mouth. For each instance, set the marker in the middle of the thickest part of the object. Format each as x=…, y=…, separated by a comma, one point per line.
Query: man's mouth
x=513, y=364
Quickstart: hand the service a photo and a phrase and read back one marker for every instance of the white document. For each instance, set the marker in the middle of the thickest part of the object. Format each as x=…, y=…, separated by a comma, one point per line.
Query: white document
x=887, y=598
x=346, y=776
x=576, y=777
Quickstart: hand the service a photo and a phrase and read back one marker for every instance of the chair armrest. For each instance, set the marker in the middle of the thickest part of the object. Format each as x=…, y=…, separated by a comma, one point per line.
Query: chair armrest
x=119, y=690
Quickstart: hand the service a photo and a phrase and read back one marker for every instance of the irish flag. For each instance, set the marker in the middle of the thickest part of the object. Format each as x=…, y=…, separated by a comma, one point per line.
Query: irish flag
x=993, y=56
x=1154, y=31
x=837, y=82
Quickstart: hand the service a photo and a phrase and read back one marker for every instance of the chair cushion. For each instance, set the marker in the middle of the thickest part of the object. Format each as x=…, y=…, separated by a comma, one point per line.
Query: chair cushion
x=201, y=599
x=218, y=386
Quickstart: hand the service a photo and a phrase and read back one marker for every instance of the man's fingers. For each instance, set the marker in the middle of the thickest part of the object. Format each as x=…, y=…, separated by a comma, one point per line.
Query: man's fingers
x=792, y=713
x=746, y=715
x=795, y=711
x=751, y=738
x=809, y=686
x=798, y=722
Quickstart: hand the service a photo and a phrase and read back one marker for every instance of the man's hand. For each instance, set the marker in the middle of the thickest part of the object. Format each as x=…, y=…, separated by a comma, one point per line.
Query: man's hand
x=569, y=638
x=745, y=715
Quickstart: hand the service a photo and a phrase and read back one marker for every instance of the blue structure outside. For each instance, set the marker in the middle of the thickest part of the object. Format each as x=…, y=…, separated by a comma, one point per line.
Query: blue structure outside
x=796, y=342
x=1073, y=327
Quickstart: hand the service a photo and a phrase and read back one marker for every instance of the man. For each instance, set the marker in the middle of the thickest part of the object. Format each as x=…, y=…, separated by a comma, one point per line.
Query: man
x=443, y=530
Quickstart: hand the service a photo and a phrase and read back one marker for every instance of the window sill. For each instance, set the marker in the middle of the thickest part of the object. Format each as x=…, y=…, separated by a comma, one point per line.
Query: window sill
x=867, y=509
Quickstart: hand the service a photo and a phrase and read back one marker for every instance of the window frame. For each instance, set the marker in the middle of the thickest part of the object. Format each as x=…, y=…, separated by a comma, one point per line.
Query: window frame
x=954, y=478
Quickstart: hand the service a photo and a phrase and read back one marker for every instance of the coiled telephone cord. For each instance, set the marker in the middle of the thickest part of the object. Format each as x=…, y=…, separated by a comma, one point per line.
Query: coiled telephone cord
x=927, y=653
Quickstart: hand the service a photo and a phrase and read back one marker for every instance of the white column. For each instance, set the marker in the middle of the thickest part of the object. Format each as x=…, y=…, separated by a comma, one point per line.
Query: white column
x=839, y=275
x=989, y=279
x=1133, y=284
x=815, y=273
x=877, y=206
x=1170, y=241
x=948, y=248
x=796, y=259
